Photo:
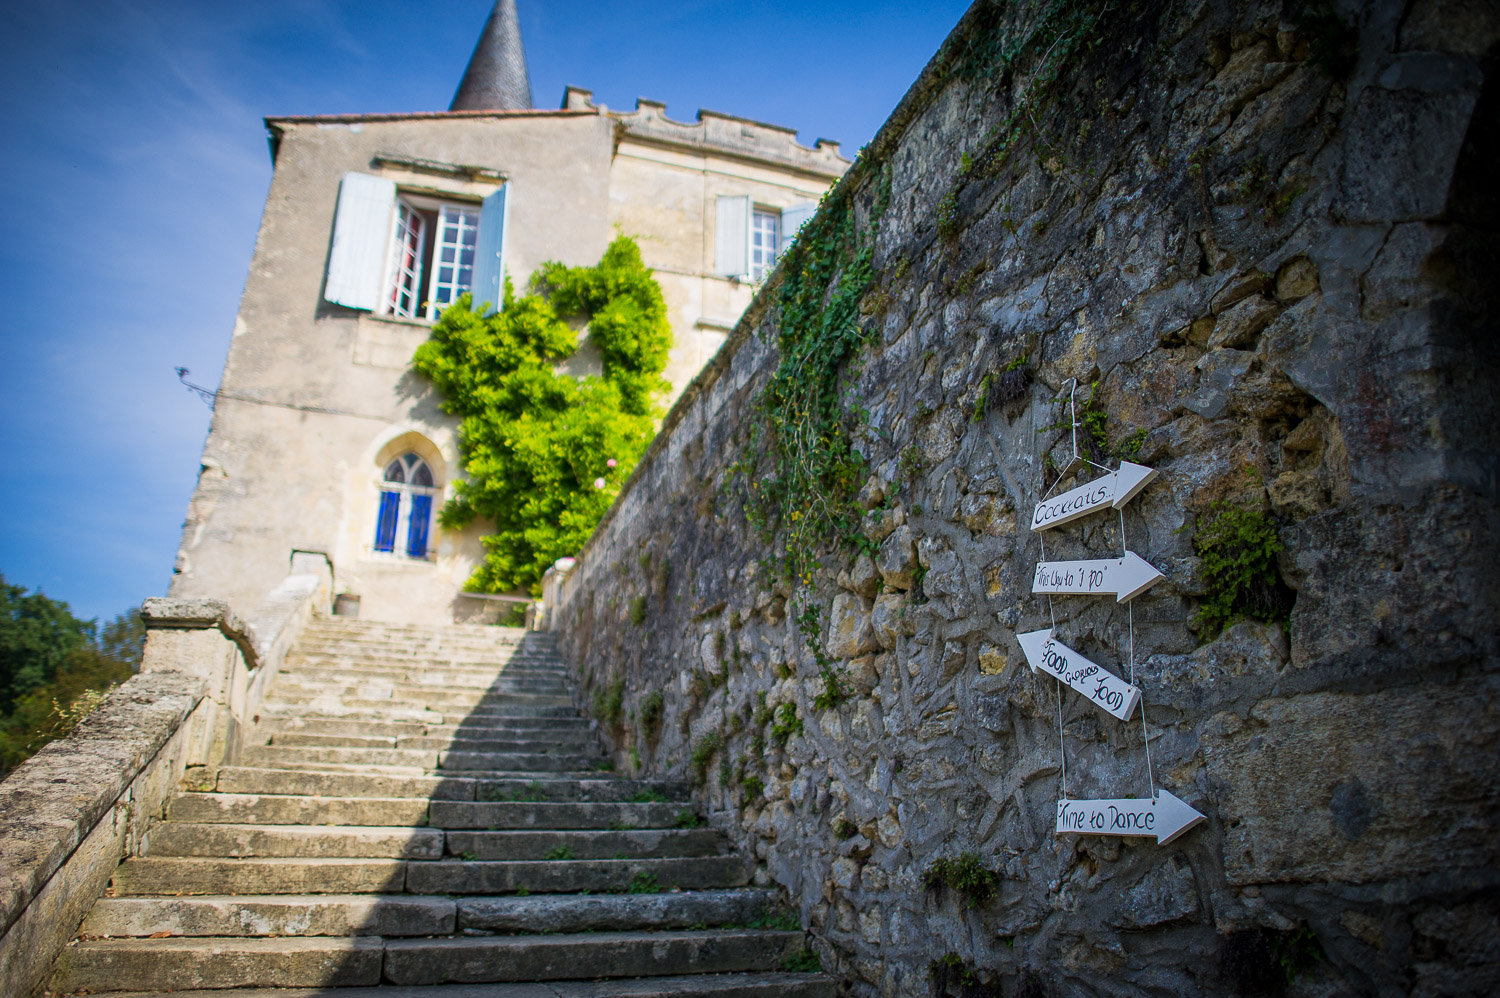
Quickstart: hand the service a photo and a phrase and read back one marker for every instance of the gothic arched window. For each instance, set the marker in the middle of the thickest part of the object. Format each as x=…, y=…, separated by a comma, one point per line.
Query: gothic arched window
x=404, y=519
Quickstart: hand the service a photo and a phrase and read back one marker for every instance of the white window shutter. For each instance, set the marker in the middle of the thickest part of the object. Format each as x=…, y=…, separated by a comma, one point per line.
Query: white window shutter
x=732, y=236
x=489, y=253
x=361, y=241
x=793, y=219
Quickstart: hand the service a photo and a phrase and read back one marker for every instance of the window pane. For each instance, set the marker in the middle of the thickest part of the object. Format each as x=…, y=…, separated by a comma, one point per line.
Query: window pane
x=394, y=472
x=385, y=521
x=422, y=476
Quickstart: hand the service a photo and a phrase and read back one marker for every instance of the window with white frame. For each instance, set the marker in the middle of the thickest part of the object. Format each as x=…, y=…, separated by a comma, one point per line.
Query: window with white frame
x=407, y=254
x=765, y=242
x=432, y=256
x=403, y=518
x=748, y=237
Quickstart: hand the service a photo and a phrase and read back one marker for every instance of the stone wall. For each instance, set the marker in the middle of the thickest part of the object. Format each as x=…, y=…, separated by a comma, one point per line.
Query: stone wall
x=1259, y=241
x=73, y=811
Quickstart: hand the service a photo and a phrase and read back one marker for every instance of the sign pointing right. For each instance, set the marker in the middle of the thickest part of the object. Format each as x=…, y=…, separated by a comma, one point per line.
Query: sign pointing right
x=1165, y=817
x=1125, y=577
x=1113, y=490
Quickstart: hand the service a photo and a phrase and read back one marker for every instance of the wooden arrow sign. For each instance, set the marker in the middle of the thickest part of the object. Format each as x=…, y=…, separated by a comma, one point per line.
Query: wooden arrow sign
x=1113, y=490
x=1125, y=577
x=1166, y=817
x=1102, y=688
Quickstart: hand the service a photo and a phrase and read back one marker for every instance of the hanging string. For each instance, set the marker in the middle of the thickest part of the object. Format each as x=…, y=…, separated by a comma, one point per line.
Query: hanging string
x=1062, y=751
x=1145, y=733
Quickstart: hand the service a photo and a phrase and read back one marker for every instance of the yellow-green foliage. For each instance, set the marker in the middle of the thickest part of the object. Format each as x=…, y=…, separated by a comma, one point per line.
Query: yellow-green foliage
x=536, y=442
x=966, y=876
x=1238, y=547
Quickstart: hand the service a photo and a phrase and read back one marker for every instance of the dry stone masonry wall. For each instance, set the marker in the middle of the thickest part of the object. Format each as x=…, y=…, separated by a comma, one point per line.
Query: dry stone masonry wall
x=1256, y=244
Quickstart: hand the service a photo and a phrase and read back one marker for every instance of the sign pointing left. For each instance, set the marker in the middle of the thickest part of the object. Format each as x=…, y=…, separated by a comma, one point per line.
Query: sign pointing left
x=1165, y=817
x=1125, y=577
x=1103, y=688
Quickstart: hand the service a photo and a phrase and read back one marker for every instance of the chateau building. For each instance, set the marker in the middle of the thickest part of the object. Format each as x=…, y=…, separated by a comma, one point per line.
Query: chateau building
x=323, y=440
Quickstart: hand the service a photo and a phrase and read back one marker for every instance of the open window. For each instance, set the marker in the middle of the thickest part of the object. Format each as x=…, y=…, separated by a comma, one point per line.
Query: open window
x=749, y=237
x=403, y=520
x=408, y=254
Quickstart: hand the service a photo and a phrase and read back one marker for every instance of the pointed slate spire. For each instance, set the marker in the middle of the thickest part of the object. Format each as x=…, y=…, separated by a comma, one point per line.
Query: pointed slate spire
x=496, y=79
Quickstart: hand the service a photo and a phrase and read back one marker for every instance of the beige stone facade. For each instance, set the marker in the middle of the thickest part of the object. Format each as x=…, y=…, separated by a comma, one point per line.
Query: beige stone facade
x=318, y=398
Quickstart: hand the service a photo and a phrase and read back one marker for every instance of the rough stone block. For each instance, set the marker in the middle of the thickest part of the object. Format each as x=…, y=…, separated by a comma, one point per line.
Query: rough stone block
x=850, y=633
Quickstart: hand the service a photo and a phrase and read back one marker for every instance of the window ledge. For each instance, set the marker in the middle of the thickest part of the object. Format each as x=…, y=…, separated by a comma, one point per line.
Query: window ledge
x=399, y=320
x=396, y=561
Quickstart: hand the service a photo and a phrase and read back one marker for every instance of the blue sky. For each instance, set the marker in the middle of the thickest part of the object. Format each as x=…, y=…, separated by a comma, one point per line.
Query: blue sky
x=137, y=167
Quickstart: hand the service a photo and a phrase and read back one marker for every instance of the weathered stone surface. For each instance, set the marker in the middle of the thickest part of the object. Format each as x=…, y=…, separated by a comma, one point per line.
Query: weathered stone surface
x=1261, y=266
x=139, y=965
x=604, y=913
x=1360, y=814
x=559, y=957
x=850, y=633
x=258, y=876
x=54, y=799
x=897, y=558
x=249, y=915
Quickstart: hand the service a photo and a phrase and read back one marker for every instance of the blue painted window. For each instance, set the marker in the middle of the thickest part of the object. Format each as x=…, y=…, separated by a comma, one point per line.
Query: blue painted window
x=403, y=521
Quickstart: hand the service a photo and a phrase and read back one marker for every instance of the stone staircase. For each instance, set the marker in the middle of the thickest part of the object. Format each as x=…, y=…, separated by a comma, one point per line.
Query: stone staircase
x=424, y=806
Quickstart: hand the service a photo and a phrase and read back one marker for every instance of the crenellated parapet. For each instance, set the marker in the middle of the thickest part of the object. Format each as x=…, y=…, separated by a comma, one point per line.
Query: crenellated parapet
x=715, y=132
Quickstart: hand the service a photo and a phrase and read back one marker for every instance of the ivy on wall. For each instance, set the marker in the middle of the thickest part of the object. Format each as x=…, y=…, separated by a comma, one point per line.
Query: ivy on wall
x=806, y=486
x=546, y=452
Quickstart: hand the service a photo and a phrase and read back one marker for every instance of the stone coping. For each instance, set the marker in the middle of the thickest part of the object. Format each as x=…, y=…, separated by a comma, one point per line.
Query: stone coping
x=53, y=800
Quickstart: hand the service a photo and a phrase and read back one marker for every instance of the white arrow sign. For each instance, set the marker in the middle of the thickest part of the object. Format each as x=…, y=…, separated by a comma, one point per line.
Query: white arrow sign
x=1103, y=689
x=1115, y=489
x=1166, y=817
x=1125, y=577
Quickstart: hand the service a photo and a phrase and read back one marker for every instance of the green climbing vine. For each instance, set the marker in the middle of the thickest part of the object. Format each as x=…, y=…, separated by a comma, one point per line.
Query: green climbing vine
x=546, y=452
x=802, y=424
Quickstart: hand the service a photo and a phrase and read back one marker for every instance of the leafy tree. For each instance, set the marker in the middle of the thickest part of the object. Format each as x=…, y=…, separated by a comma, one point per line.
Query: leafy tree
x=546, y=452
x=55, y=668
x=37, y=635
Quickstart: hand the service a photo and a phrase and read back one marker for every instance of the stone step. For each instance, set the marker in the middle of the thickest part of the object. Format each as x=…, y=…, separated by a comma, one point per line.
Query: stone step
x=322, y=961
x=169, y=876
x=335, y=726
x=405, y=693
x=229, y=841
x=276, y=809
x=242, y=841
x=753, y=984
x=582, y=844
x=419, y=676
x=487, y=713
x=332, y=710
x=277, y=754
x=281, y=915
x=482, y=728
x=604, y=954
x=177, y=875
x=574, y=740
x=139, y=964
x=498, y=704
x=384, y=652
x=561, y=741
x=592, y=875
x=503, y=815
x=324, y=783
x=315, y=783
x=411, y=915
x=615, y=912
